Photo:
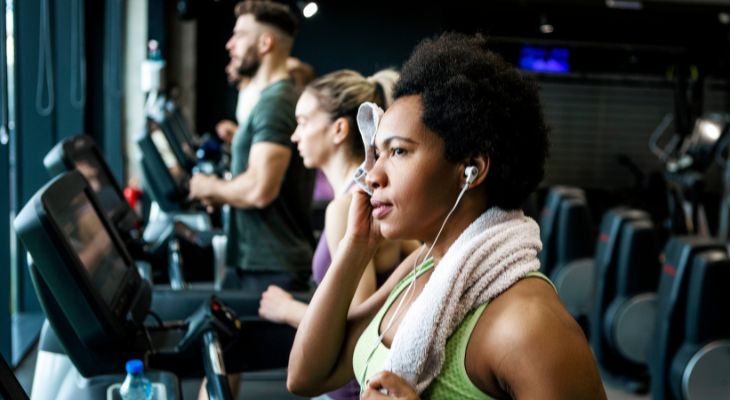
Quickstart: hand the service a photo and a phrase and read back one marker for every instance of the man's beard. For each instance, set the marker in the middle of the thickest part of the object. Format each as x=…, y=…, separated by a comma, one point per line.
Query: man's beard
x=249, y=68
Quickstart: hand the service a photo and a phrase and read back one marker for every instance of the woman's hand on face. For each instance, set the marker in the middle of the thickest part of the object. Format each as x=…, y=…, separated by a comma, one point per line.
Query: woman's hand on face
x=274, y=304
x=387, y=385
x=361, y=226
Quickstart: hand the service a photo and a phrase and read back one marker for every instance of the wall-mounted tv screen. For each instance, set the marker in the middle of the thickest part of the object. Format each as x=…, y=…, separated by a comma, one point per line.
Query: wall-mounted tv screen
x=545, y=59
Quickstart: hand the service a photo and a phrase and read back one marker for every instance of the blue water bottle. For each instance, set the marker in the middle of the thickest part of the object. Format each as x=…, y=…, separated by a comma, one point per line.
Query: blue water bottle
x=135, y=385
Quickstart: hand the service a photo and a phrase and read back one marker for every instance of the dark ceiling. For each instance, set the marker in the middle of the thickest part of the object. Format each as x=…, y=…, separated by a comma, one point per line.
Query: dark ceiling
x=670, y=40
x=618, y=39
x=599, y=36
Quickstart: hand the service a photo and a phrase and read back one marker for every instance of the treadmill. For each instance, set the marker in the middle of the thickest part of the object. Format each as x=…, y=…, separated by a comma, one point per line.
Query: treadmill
x=81, y=152
x=195, y=258
x=194, y=153
x=166, y=116
x=99, y=307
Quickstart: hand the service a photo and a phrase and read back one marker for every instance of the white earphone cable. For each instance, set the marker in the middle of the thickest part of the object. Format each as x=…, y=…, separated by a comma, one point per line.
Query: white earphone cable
x=411, y=285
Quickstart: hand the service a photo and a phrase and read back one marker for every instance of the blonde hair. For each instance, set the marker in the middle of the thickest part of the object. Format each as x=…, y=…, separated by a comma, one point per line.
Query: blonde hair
x=340, y=94
x=385, y=80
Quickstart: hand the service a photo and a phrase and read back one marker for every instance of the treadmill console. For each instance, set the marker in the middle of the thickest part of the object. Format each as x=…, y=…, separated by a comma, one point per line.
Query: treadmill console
x=165, y=178
x=165, y=115
x=81, y=261
x=81, y=153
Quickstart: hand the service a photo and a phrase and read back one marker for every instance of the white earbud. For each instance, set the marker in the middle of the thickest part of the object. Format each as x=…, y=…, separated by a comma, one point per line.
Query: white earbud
x=471, y=173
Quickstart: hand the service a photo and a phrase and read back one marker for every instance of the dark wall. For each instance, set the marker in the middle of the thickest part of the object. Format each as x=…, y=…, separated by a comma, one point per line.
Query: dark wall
x=216, y=98
x=363, y=36
x=369, y=35
x=342, y=35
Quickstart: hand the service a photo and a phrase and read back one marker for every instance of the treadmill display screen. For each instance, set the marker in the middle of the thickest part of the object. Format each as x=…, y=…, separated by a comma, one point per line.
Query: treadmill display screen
x=182, y=136
x=109, y=199
x=85, y=232
x=168, y=157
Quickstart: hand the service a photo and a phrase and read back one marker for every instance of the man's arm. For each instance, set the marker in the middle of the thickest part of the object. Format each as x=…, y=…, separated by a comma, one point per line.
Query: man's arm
x=256, y=187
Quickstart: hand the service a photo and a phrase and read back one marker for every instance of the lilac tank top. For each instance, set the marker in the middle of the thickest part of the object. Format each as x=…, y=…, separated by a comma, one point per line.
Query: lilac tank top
x=320, y=263
x=322, y=259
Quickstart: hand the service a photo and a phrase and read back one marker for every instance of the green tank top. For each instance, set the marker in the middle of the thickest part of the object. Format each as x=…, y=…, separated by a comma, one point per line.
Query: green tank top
x=453, y=382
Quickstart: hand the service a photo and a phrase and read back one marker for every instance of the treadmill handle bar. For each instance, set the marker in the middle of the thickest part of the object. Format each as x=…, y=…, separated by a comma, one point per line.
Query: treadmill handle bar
x=215, y=371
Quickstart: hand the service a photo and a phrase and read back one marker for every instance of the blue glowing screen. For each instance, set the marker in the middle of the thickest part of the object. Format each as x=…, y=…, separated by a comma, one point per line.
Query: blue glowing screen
x=540, y=59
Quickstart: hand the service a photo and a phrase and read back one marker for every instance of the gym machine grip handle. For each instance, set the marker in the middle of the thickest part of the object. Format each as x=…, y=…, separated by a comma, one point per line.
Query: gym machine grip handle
x=215, y=369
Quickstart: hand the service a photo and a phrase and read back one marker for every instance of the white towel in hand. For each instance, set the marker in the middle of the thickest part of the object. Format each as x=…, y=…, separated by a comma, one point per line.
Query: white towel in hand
x=368, y=119
x=494, y=252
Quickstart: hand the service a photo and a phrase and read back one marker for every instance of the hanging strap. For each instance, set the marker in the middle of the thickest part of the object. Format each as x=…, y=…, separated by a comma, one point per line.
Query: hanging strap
x=45, y=64
x=78, y=56
x=112, y=77
x=4, y=114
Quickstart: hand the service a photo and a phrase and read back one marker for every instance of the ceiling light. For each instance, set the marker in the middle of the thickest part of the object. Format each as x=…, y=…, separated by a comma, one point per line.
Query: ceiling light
x=310, y=9
x=724, y=18
x=545, y=26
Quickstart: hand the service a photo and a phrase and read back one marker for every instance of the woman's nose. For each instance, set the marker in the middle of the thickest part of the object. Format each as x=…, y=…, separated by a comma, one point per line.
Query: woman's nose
x=376, y=177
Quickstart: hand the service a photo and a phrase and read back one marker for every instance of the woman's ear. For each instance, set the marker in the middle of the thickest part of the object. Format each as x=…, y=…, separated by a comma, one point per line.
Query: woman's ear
x=341, y=130
x=481, y=163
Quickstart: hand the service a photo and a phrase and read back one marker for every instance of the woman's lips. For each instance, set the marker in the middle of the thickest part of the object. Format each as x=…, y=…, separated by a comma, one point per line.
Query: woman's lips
x=301, y=153
x=380, y=209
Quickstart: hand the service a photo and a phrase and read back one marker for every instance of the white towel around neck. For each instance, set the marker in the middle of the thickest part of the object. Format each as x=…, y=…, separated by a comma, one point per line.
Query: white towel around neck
x=494, y=252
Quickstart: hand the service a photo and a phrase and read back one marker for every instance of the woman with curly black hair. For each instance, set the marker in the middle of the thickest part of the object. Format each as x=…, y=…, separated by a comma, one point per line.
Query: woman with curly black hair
x=468, y=316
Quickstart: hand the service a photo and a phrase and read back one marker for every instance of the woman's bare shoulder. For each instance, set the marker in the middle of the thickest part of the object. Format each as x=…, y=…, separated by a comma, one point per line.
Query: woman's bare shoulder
x=525, y=339
x=339, y=207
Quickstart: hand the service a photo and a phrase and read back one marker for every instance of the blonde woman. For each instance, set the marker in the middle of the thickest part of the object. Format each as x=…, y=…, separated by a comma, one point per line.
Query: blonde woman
x=328, y=138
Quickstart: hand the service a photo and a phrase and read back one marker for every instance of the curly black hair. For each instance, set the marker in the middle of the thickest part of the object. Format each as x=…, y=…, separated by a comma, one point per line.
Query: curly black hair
x=479, y=104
